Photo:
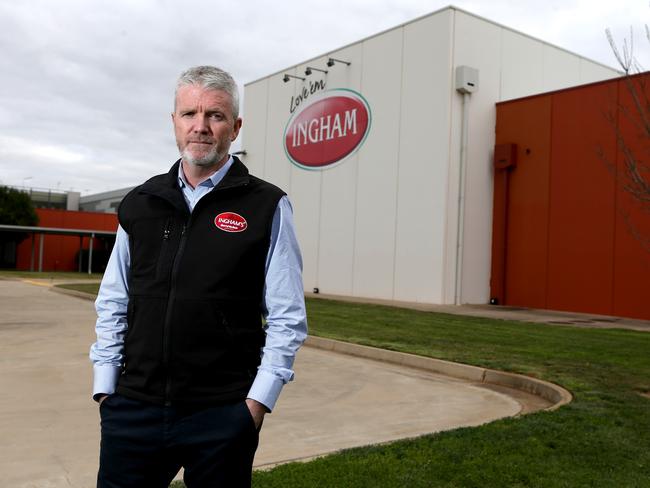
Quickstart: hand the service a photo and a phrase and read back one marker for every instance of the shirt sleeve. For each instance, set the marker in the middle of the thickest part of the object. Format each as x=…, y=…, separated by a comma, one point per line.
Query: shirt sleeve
x=284, y=302
x=111, y=304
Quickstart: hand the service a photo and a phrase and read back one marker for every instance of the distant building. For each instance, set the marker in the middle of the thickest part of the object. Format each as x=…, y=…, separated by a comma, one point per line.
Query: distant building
x=103, y=202
x=49, y=198
x=106, y=202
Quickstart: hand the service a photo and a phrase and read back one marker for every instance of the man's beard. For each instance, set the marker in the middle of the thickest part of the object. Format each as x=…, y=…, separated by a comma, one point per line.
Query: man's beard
x=216, y=154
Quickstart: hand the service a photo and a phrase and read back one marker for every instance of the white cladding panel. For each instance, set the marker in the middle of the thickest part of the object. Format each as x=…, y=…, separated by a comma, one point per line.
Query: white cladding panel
x=305, y=195
x=521, y=69
x=590, y=72
x=423, y=159
x=382, y=223
x=338, y=197
x=277, y=168
x=561, y=69
x=374, y=246
x=254, y=127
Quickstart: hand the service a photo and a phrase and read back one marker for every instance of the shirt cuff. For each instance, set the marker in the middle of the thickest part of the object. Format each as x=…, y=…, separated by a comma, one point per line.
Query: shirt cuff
x=266, y=389
x=105, y=379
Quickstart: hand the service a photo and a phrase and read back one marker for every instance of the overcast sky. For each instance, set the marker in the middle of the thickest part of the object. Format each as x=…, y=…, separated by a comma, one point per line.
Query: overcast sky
x=87, y=85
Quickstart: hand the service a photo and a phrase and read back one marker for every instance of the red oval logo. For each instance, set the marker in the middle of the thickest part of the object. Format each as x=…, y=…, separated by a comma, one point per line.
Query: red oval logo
x=328, y=130
x=230, y=222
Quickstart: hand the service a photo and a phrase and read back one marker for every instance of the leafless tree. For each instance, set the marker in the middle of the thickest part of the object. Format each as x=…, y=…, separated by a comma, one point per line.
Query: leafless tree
x=635, y=174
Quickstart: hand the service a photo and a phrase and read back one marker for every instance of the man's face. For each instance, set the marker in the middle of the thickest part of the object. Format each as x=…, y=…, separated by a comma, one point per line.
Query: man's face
x=204, y=125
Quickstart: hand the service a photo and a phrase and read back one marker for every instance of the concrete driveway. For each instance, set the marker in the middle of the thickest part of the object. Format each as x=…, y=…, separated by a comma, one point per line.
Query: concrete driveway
x=49, y=425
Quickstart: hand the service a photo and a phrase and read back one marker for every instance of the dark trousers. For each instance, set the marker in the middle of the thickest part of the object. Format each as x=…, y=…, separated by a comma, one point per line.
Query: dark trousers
x=144, y=445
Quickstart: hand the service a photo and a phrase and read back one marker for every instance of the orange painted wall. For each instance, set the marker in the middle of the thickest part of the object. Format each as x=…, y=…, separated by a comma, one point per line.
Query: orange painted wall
x=632, y=270
x=527, y=222
x=568, y=246
x=60, y=252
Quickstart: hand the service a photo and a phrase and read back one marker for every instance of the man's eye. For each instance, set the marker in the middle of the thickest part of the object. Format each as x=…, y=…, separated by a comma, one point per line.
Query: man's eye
x=187, y=114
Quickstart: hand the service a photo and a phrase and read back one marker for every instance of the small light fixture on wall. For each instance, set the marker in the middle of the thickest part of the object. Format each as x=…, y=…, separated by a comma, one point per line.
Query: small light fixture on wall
x=331, y=61
x=287, y=77
x=239, y=153
x=309, y=70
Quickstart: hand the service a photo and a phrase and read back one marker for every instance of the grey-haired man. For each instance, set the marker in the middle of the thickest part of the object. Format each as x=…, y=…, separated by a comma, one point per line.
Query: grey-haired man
x=184, y=368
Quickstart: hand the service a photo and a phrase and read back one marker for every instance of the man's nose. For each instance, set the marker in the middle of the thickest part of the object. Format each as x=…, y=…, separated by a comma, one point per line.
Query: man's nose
x=201, y=124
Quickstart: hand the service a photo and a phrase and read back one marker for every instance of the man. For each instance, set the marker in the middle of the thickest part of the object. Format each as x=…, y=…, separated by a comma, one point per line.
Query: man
x=184, y=370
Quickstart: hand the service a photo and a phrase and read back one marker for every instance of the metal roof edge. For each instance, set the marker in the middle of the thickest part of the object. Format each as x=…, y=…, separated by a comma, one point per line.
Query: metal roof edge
x=435, y=12
x=574, y=87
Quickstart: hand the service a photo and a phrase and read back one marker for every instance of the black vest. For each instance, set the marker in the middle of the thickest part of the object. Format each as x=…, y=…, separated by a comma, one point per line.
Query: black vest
x=195, y=288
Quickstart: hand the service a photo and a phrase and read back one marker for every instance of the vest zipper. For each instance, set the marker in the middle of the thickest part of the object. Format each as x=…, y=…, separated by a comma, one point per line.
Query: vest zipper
x=168, y=314
x=167, y=230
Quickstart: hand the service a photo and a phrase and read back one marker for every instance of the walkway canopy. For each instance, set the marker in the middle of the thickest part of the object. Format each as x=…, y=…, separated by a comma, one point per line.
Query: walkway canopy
x=41, y=231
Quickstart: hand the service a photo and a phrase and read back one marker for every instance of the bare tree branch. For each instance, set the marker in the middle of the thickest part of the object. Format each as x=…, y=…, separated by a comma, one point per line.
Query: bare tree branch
x=634, y=173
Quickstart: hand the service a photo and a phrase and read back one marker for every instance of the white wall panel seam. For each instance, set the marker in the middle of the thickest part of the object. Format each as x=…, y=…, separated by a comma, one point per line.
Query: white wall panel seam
x=266, y=126
x=318, y=226
x=398, y=161
x=501, y=49
x=544, y=76
x=445, y=246
x=356, y=194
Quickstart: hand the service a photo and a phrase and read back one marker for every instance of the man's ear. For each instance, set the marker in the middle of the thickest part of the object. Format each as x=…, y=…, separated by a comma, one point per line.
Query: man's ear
x=236, y=129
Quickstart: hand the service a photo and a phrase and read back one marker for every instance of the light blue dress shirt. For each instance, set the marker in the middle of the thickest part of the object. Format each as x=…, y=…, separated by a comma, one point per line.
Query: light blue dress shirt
x=284, y=305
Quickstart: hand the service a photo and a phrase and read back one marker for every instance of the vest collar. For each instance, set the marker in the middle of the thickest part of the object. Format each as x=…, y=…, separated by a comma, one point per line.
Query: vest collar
x=166, y=185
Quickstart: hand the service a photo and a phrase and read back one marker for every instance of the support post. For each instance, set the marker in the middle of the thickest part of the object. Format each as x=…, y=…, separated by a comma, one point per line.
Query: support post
x=90, y=254
x=81, y=248
x=40, y=252
x=31, y=258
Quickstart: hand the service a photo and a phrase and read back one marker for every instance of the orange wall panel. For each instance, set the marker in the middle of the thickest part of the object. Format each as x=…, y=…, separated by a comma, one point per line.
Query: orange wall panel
x=581, y=203
x=632, y=245
x=585, y=246
x=528, y=125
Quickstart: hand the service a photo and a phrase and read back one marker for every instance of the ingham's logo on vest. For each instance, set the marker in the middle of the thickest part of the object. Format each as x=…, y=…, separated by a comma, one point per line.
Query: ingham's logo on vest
x=329, y=129
x=230, y=222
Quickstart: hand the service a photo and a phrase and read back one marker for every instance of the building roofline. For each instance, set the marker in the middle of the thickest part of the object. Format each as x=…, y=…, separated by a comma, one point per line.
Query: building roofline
x=435, y=12
x=105, y=194
x=575, y=87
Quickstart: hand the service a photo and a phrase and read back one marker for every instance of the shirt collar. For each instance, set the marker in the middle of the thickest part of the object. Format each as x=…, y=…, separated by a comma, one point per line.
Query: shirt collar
x=212, y=181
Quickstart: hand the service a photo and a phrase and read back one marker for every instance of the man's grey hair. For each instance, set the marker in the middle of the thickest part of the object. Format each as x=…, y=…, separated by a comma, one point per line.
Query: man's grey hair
x=212, y=78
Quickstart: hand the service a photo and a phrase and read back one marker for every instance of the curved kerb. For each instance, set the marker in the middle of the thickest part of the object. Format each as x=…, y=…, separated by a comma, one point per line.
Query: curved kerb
x=550, y=392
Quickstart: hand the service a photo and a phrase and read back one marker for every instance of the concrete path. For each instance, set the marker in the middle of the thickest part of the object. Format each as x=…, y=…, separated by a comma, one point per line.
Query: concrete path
x=49, y=425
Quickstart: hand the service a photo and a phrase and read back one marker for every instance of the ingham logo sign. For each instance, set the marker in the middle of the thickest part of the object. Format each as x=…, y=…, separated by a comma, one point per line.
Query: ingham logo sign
x=329, y=129
x=230, y=222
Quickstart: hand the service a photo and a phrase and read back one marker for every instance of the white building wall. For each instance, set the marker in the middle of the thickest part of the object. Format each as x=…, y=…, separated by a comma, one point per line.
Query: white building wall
x=424, y=159
x=339, y=193
x=255, y=125
x=382, y=224
x=378, y=162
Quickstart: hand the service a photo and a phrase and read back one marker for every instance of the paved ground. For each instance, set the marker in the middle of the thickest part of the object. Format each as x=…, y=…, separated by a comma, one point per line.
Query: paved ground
x=49, y=425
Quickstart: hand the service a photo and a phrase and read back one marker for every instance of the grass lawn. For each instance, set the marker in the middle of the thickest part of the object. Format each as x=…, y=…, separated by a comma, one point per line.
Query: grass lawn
x=49, y=275
x=601, y=439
